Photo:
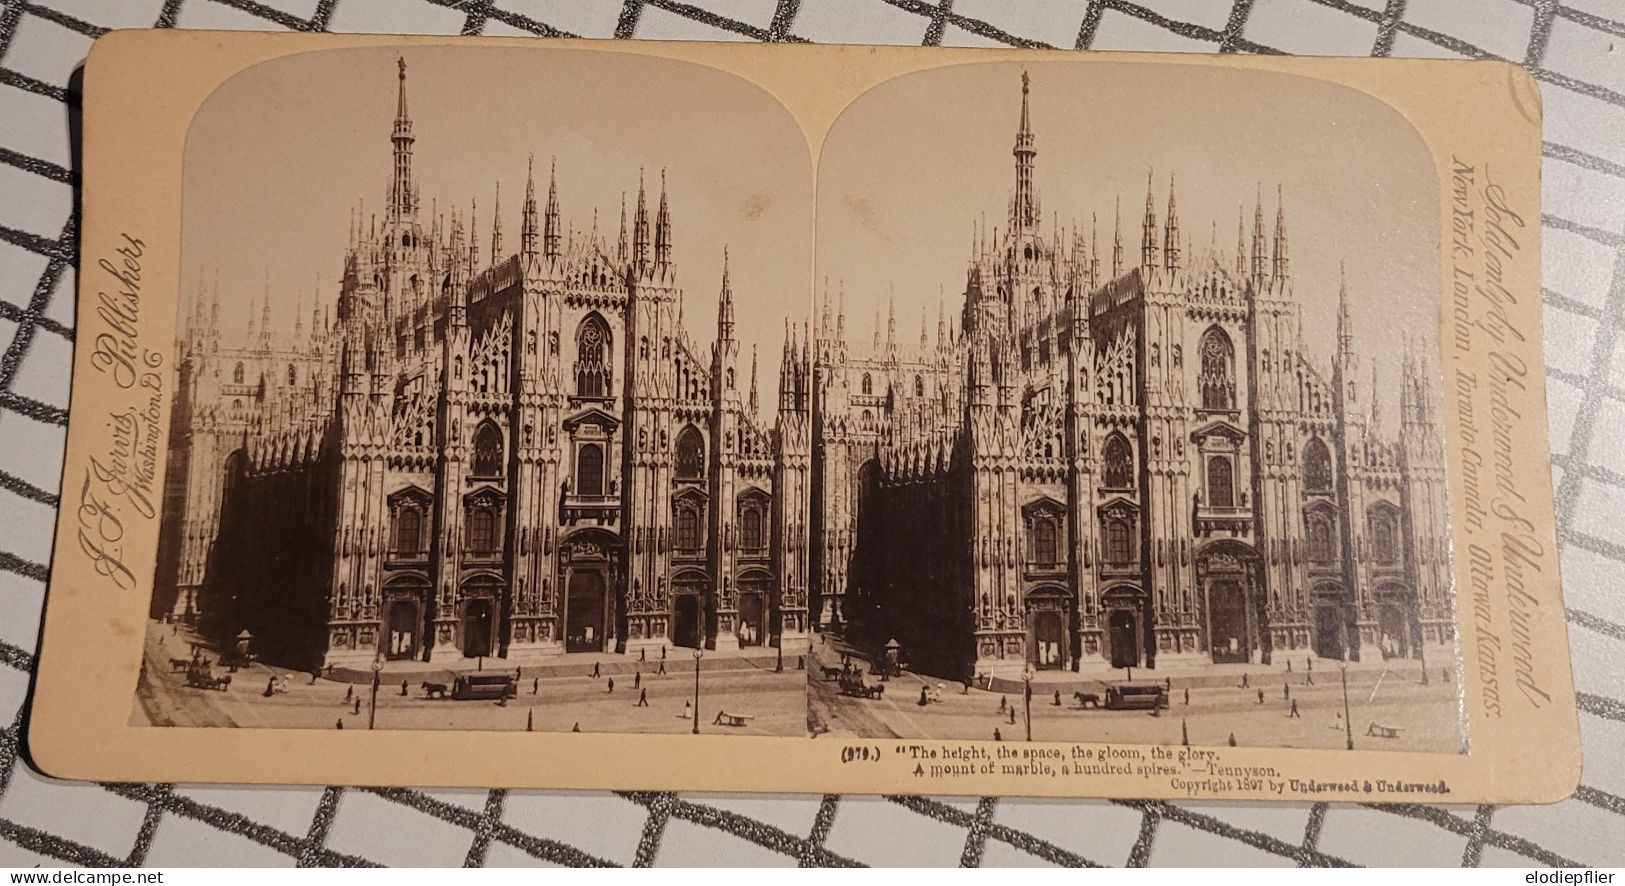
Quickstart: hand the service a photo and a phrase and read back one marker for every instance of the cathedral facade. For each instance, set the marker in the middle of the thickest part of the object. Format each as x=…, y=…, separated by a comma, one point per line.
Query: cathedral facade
x=1115, y=460
x=519, y=455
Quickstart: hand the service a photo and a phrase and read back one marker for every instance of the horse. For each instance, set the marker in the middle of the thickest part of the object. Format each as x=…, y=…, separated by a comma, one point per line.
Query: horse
x=1087, y=699
x=434, y=690
x=830, y=673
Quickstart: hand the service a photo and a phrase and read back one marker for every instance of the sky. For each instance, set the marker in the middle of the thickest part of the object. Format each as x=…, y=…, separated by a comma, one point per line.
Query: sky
x=279, y=156
x=912, y=164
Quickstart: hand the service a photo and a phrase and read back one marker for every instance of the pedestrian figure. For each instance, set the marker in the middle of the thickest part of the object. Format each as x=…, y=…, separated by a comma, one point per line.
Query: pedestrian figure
x=355, y=707
x=1309, y=678
x=611, y=684
x=1286, y=691
x=1057, y=701
x=530, y=720
x=595, y=672
x=314, y=674
x=1003, y=703
x=1289, y=665
x=1294, y=711
x=339, y=723
x=1012, y=716
x=270, y=687
x=403, y=687
x=643, y=654
x=577, y=727
x=996, y=735
x=923, y=700
x=1309, y=664
x=1260, y=696
x=801, y=662
x=643, y=698
x=1184, y=733
x=1232, y=739
x=662, y=652
x=349, y=692
x=637, y=679
x=1187, y=695
x=1244, y=680
x=688, y=710
x=1168, y=683
x=535, y=685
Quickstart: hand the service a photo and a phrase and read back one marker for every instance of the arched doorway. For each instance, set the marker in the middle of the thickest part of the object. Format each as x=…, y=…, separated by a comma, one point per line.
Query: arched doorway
x=1047, y=610
x=1229, y=574
x=1123, y=637
x=752, y=623
x=1329, y=632
x=403, y=622
x=1394, y=639
x=686, y=622
x=479, y=627
x=584, y=614
x=1125, y=618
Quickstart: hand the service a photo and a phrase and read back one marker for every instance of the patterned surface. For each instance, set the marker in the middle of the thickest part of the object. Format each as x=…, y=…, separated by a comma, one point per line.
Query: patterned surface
x=1569, y=46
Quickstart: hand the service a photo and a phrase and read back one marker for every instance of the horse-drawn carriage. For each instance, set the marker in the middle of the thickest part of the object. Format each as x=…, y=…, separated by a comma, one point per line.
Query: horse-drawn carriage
x=203, y=678
x=852, y=684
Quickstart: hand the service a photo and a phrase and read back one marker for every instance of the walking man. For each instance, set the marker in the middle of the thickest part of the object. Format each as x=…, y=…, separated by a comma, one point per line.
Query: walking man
x=1294, y=711
x=611, y=684
x=643, y=698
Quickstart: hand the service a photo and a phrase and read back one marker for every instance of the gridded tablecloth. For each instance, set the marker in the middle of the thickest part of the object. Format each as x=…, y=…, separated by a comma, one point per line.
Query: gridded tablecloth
x=1572, y=48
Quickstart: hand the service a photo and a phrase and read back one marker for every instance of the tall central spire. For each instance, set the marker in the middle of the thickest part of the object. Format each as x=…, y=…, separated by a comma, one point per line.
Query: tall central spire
x=1024, y=209
x=401, y=199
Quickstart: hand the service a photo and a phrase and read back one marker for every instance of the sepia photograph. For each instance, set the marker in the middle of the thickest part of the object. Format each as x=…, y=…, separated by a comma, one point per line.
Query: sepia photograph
x=1127, y=414
x=491, y=400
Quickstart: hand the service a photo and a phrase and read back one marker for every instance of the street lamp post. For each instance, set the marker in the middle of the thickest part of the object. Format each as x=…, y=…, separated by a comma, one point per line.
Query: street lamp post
x=372, y=710
x=1348, y=725
x=698, y=654
x=1027, y=695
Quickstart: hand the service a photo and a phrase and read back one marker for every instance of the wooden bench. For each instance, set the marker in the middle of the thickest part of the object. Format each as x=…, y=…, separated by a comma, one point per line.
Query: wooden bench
x=726, y=719
x=1381, y=731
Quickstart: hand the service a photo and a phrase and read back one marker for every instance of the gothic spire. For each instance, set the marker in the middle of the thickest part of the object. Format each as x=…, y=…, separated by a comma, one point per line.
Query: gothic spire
x=663, y=227
x=620, y=248
x=1258, y=240
x=1170, y=241
x=402, y=201
x=550, y=235
x=640, y=228
x=496, y=227
x=1094, y=250
x=754, y=402
x=840, y=311
x=1148, y=233
x=527, y=228
x=1024, y=210
x=725, y=307
x=1280, y=235
x=1117, y=240
x=1345, y=323
x=1241, y=241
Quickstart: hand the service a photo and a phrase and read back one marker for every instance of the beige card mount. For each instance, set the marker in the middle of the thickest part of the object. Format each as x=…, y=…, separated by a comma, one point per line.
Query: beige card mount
x=554, y=414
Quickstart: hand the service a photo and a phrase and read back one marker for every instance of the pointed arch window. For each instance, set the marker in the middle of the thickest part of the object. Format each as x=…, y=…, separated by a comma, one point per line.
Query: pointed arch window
x=1221, y=484
x=750, y=527
x=688, y=526
x=1384, y=536
x=1044, y=547
x=690, y=455
x=1118, y=470
x=1119, y=541
x=590, y=470
x=1322, y=538
x=488, y=451
x=237, y=374
x=919, y=386
x=1218, y=378
x=293, y=375
x=482, y=530
x=868, y=385
x=408, y=531
x=593, y=376
x=1317, y=466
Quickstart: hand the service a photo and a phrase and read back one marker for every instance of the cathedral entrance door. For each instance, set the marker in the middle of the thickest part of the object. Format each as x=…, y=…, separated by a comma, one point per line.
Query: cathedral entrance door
x=750, y=619
x=478, y=616
x=1227, y=607
x=403, y=630
x=686, y=621
x=1329, y=637
x=584, y=612
x=1048, y=634
x=1124, y=637
x=1392, y=621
